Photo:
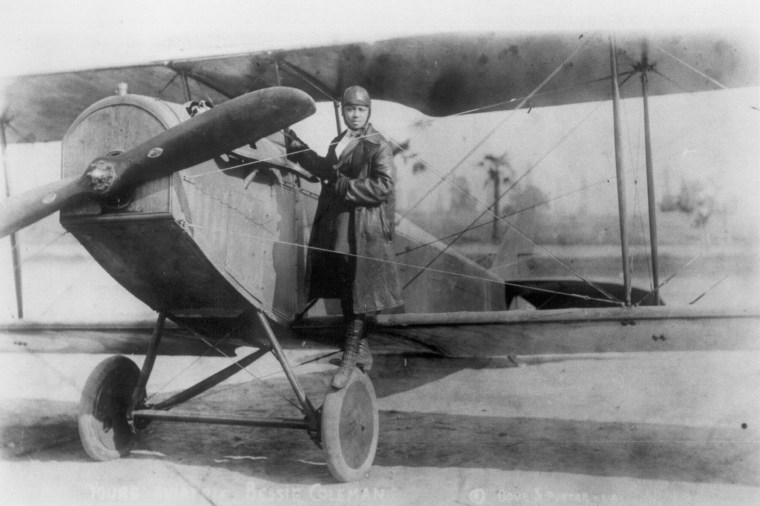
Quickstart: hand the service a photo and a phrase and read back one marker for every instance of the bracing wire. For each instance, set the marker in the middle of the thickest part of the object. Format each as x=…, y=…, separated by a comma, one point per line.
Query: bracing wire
x=269, y=375
x=721, y=280
x=77, y=281
x=672, y=276
x=294, y=70
x=402, y=264
x=275, y=158
x=25, y=138
x=17, y=268
x=427, y=268
x=636, y=163
x=488, y=209
x=40, y=250
x=499, y=125
x=188, y=366
x=486, y=206
x=169, y=83
x=685, y=90
x=715, y=82
x=541, y=94
x=508, y=215
x=490, y=106
x=245, y=369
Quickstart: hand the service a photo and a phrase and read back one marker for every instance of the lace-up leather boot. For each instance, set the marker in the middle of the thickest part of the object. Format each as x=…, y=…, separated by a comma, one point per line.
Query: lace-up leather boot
x=363, y=360
x=350, y=354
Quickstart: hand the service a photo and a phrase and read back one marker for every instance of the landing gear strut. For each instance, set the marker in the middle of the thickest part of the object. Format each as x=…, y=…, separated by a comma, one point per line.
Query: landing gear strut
x=113, y=406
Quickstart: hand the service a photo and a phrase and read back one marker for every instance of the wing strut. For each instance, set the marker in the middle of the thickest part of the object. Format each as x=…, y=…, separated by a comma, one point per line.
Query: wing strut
x=186, y=86
x=650, y=173
x=620, y=173
x=198, y=79
x=14, y=244
x=315, y=83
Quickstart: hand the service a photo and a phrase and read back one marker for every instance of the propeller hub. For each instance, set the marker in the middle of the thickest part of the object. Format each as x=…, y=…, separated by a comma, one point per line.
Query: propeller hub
x=101, y=175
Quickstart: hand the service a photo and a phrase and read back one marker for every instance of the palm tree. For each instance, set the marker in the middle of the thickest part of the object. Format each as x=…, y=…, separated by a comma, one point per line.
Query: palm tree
x=494, y=165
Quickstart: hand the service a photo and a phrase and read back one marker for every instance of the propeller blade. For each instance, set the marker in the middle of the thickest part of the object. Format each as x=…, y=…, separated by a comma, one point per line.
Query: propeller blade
x=18, y=211
x=230, y=125
x=239, y=121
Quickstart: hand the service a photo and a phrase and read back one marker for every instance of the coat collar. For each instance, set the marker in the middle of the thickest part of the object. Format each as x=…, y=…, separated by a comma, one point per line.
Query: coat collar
x=367, y=134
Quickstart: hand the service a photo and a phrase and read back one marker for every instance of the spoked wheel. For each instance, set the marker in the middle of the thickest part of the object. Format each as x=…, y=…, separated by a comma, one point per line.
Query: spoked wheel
x=103, y=427
x=350, y=428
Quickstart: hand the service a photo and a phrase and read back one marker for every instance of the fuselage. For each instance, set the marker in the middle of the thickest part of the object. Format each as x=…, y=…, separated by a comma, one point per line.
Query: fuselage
x=212, y=243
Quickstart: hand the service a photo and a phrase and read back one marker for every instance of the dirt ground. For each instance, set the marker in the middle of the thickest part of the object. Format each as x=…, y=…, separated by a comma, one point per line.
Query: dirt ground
x=664, y=428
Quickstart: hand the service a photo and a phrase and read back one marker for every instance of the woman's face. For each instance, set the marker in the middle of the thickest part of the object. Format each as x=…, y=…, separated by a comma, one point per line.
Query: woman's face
x=355, y=116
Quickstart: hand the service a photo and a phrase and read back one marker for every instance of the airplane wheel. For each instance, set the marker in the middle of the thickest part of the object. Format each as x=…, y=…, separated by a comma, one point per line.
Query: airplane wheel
x=350, y=428
x=103, y=427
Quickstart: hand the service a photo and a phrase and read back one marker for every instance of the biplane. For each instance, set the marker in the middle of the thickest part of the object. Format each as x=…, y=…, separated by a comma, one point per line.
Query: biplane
x=204, y=219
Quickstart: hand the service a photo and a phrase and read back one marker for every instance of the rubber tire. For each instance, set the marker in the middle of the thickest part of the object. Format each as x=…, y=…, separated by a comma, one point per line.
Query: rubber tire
x=103, y=427
x=350, y=428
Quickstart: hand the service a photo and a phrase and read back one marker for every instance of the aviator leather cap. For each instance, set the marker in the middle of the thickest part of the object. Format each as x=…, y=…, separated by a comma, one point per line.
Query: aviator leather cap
x=356, y=95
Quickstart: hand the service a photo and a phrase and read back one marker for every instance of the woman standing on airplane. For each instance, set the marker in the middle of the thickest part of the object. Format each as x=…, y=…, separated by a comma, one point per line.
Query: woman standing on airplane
x=351, y=245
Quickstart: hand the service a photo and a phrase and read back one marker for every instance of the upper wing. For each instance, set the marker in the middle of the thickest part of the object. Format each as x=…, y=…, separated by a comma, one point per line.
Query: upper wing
x=437, y=74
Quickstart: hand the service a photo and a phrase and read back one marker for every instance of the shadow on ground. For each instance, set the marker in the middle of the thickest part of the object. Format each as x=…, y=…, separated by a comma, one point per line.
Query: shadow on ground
x=48, y=432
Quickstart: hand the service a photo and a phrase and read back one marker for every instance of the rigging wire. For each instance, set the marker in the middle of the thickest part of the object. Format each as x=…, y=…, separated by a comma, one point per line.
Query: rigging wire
x=684, y=89
x=233, y=167
x=672, y=276
x=488, y=209
x=499, y=125
x=216, y=391
x=188, y=366
x=307, y=78
x=715, y=82
x=62, y=377
x=401, y=264
x=169, y=83
x=673, y=82
x=245, y=369
x=489, y=222
x=211, y=346
x=76, y=281
x=526, y=98
x=719, y=111
x=269, y=375
x=541, y=94
x=40, y=250
x=709, y=289
x=28, y=138
x=637, y=205
x=611, y=298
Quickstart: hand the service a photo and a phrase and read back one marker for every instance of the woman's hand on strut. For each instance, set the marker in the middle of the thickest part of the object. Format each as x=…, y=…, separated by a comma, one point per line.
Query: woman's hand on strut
x=293, y=143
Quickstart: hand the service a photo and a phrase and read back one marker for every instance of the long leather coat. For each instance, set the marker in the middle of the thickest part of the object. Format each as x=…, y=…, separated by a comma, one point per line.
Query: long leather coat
x=362, y=182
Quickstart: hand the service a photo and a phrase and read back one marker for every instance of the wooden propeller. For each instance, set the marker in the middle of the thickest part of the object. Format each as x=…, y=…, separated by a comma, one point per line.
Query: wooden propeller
x=228, y=126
